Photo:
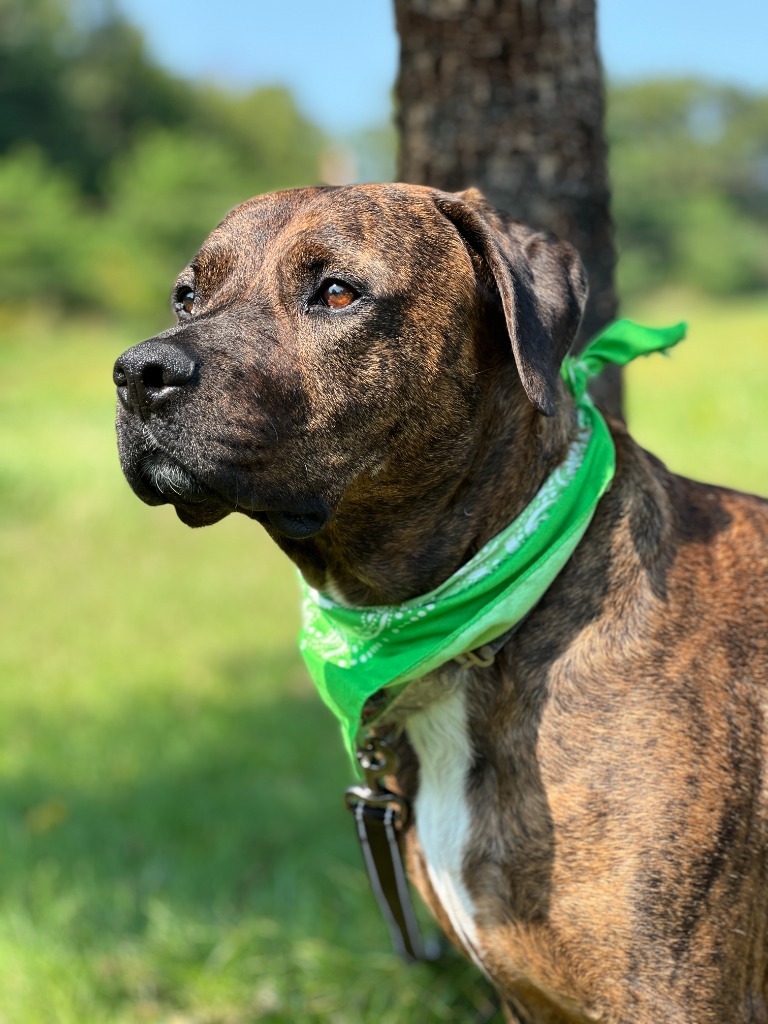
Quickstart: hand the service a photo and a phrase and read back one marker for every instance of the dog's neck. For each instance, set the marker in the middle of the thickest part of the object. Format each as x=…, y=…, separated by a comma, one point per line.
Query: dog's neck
x=401, y=532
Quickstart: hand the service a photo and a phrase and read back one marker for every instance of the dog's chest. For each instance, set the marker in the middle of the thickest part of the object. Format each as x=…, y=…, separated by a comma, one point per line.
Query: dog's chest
x=439, y=736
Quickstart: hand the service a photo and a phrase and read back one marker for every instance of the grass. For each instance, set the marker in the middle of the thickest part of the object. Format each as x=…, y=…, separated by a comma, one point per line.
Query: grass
x=704, y=409
x=174, y=847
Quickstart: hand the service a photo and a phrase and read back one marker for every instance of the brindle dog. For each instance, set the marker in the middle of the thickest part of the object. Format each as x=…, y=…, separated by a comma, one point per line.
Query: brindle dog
x=372, y=373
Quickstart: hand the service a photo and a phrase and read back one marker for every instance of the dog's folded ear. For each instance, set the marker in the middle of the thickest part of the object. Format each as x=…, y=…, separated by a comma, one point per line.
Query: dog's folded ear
x=541, y=283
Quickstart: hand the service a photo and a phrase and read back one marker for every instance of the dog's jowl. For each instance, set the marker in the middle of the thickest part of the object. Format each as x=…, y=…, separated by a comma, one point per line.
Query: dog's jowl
x=374, y=374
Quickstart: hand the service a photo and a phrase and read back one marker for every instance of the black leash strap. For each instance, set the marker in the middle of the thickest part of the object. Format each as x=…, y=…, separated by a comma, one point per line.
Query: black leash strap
x=380, y=816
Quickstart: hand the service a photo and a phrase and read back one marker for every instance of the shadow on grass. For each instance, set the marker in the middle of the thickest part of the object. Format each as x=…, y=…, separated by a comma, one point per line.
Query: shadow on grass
x=185, y=843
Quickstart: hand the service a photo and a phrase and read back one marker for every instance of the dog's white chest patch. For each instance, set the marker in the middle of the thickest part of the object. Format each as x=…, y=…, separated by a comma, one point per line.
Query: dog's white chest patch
x=440, y=738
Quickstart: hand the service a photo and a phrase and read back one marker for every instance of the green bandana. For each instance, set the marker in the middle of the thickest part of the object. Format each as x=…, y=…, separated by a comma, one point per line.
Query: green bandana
x=352, y=653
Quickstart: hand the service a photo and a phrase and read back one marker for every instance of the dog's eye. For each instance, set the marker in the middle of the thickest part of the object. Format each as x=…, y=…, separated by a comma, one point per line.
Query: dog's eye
x=184, y=300
x=336, y=294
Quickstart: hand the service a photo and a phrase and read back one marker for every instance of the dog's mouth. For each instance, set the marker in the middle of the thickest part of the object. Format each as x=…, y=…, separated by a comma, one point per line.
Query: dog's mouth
x=162, y=480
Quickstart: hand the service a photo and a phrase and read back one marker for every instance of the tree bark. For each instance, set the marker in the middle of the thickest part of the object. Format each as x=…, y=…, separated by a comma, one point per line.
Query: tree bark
x=507, y=95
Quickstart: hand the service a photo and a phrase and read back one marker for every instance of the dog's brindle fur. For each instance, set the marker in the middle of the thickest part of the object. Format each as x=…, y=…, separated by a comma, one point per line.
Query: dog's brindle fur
x=617, y=792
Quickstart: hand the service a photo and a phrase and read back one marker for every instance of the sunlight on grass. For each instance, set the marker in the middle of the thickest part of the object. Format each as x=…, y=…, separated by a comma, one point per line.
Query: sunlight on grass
x=174, y=845
x=704, y=408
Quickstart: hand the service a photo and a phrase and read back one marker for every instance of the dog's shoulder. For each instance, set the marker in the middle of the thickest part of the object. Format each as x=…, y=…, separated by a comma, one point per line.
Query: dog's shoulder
x=690, y=520
x=670, y=571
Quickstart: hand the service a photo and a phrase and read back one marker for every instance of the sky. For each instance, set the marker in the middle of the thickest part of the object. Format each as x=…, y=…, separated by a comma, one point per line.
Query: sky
x=340, y=58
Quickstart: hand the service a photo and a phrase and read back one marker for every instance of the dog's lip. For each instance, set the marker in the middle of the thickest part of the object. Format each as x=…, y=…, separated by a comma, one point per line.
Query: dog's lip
x=302, y=524
x=303, y=520
x=200, y=513
x=160, y=479
x=165, y=480
x=168, y=481
x=197, y=507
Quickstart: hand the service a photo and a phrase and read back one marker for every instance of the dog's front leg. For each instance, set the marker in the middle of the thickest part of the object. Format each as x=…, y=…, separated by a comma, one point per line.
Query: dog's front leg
x=537, y=1012
x=514, y=1014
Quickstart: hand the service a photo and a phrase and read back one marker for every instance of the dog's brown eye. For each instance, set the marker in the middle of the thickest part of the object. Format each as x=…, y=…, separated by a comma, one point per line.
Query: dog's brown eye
x=184, y=300
x=337, y=295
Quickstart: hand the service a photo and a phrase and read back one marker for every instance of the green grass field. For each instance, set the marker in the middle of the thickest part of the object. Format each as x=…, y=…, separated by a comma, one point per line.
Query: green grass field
x=174, y=846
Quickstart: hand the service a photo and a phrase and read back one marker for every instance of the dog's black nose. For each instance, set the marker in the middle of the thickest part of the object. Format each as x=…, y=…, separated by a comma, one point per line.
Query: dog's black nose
x=150, y=373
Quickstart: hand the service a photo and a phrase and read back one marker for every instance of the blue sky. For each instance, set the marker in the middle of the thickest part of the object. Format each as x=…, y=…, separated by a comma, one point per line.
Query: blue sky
x=340, y=58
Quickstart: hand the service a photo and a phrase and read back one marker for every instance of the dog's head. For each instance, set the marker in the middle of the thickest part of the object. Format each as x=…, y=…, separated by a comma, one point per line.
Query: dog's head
x=321, y=332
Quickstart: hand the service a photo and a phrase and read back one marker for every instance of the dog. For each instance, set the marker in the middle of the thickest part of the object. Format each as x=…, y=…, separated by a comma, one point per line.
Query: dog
x=373, y=374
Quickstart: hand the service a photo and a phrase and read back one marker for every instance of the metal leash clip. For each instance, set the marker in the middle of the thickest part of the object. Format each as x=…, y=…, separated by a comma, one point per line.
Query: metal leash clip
x=377, y=759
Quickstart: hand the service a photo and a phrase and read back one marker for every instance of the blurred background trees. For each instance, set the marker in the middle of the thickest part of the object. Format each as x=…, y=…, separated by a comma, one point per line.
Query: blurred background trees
x=689, y=163
x=112, y=170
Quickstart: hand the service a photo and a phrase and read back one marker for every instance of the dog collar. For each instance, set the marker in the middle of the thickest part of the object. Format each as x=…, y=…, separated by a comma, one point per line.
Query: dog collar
x=353, y=653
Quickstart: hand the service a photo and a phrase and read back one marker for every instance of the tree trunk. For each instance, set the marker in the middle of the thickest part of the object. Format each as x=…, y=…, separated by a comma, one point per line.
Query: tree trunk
x=507, y=95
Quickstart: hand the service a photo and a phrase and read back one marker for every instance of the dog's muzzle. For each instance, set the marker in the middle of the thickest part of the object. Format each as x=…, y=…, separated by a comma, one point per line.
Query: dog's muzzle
x=154, y=380
x=147, y=377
